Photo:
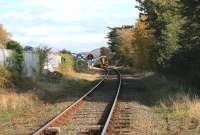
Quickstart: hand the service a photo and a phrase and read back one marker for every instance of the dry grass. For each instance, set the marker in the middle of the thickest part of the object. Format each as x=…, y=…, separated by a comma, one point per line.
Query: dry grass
x=81, y=76
x=89, y=77
x=175, y=102
x=182, y=114
x=194, y=109
x=11, y=101
x=182, y=105
x=23, y=111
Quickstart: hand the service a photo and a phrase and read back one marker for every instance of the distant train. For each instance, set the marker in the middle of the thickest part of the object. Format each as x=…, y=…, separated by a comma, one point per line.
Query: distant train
x=104, y=62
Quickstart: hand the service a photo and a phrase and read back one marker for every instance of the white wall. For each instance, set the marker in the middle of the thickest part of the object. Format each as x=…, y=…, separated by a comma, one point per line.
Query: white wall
x=53, y=62
x=31, y=61
x=4, y=56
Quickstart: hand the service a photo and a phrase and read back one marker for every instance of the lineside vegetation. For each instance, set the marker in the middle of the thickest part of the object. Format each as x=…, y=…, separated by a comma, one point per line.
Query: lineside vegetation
x=165, y=38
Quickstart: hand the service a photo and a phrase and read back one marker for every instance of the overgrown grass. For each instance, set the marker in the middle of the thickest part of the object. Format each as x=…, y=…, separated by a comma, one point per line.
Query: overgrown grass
x=32, y=102
x=64, y=89
x=177, y=103
x=11, y=101
x=5, y=76
x=180, y=112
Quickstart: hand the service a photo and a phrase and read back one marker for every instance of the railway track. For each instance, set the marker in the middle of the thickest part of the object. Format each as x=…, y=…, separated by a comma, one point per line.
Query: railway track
x=90, y=115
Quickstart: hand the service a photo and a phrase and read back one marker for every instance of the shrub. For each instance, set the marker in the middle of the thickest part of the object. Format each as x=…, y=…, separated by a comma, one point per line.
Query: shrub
x=81, y=65
x=17, y=55
x=4, y=73
x=53, y=76
x=67, y=60
x=43, y=56
x=5, y=77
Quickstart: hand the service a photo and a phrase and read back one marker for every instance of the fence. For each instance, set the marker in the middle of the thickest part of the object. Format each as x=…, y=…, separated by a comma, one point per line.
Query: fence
x=31, y=61
x=5, y=56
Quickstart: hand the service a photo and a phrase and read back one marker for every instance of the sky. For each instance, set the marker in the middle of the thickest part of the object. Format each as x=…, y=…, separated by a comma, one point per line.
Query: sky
x=75, y=25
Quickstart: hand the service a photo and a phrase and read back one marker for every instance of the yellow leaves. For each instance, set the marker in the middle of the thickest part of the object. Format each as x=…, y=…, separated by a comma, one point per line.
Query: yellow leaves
x=133, y=44
x=142, y=44
x=126, y=37
x=4, y=36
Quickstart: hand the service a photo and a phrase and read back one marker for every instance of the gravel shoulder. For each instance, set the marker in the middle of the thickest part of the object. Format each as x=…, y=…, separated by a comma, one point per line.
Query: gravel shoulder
x=132, y=117
x=151, y=104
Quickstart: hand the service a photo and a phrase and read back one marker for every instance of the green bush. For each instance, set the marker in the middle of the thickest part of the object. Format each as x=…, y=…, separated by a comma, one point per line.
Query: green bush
x=81, y=65
x=4, y=73
x=5, y=77
x=18, y=57
x=43, y=56
x=67, y=60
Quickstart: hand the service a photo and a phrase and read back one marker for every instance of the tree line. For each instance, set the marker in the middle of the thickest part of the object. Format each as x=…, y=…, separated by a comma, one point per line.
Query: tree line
x=165, y=38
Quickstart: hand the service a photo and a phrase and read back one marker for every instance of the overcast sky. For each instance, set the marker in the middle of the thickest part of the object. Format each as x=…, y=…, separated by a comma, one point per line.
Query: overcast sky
x=76, y=25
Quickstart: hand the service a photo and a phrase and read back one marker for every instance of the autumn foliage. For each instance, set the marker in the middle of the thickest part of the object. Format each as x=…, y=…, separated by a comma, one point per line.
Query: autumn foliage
x=4, y=36
x=143, y=42
x=166, y=38
x=132, y=44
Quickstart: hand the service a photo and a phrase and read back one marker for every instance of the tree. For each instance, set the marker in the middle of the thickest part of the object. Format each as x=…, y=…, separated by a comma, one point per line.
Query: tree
x=64, y=51
x=4, y=36
x=18, y=57
x=177, y=37
x=186, y=60
x=143, y=43
x=28, y=48
x=164, y=16
x=120, y=42
x=43, y=56
x=104, y=51
x=133, y=45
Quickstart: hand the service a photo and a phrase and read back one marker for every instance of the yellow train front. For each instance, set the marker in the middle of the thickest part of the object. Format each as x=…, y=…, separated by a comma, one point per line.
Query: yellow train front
x=104, y=62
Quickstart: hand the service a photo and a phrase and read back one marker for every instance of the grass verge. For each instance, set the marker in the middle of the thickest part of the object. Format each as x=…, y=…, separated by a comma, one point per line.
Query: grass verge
x=23, y=110
x=176, y=103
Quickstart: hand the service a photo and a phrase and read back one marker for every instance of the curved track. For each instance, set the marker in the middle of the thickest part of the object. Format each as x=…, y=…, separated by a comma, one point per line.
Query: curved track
x=91, y=114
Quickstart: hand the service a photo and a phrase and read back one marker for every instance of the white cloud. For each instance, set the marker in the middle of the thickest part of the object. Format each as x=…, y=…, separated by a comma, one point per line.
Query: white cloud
x=33, y=31
x=78, y=38
x=65, y=21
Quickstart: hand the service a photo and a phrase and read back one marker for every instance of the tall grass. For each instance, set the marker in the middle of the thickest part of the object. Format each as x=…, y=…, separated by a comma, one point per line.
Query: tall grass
x=177, y=103
x=181, y=112
x=5, y=76
x=182, y=105
x=11, y=101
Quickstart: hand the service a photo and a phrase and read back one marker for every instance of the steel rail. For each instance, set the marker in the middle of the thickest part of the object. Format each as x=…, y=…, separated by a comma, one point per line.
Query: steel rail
x=108, y=125
x=73, y=107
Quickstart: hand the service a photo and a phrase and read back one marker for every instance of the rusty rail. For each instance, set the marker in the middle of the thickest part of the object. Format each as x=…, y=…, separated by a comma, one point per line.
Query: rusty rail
x=60, y=118
x=107, y=130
